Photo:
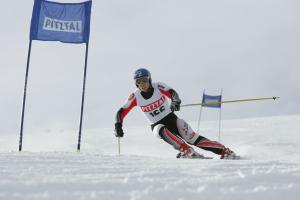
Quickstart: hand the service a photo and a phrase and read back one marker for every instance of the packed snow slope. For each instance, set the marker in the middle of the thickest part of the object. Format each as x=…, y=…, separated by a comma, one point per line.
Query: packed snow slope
x=50, y=168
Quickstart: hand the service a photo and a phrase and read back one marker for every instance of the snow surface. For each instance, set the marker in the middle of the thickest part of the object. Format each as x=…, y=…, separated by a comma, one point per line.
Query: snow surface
x=50, y=168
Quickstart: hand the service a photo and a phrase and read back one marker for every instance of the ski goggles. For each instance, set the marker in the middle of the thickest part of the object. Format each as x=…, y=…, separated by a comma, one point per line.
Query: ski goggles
x=141, y=80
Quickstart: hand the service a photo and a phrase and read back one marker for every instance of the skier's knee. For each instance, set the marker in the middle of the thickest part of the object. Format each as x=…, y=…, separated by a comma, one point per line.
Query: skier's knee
x=186, y=131
x=157, y=129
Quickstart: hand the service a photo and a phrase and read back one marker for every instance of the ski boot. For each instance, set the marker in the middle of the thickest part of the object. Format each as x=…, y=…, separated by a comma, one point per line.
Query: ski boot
x=228, y=154
x=189, y=153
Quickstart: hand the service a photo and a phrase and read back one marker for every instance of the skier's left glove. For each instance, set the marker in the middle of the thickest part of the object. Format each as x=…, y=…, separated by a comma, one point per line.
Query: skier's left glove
x=118, y=130
x=175, y=105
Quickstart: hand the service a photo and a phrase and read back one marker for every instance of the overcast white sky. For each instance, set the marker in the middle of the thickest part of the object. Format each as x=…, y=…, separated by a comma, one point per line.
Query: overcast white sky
x=250, y=48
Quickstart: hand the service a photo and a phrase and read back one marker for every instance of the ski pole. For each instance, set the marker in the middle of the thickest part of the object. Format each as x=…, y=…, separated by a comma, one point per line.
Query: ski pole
x=230, y=101
x=119, y=146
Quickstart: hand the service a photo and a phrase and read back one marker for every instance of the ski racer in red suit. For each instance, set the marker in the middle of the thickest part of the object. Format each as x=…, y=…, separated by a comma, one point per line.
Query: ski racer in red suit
x=158, y=102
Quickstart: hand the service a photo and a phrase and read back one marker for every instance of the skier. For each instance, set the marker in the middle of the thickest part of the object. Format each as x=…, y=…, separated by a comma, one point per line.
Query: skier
x=152, y=98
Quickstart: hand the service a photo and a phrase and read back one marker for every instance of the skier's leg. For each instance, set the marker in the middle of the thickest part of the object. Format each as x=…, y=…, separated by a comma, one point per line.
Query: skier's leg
x=191, y=137
x=178, y=143
x=186, y=132
x=162, y=132
x=209, y=145
x=215, y=147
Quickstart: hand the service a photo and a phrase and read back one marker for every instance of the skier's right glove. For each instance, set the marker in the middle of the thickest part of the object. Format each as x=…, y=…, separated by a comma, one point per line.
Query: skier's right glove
x=118, y=130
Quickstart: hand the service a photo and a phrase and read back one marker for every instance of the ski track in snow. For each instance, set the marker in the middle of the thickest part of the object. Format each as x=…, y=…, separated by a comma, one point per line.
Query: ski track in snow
x=91, y=176
x=270, y=168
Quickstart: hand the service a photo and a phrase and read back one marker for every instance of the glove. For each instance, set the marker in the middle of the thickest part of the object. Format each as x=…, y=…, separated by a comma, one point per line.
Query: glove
x=118, y=130
x=175, y=105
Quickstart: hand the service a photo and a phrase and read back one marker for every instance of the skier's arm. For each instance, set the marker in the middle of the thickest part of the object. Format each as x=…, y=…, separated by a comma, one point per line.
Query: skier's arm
x=121, y=114
x=172, y=94
x=175, y=104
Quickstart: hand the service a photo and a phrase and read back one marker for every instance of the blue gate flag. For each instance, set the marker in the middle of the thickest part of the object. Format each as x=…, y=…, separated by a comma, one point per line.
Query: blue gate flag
x=208, y=99
x=64, y=22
